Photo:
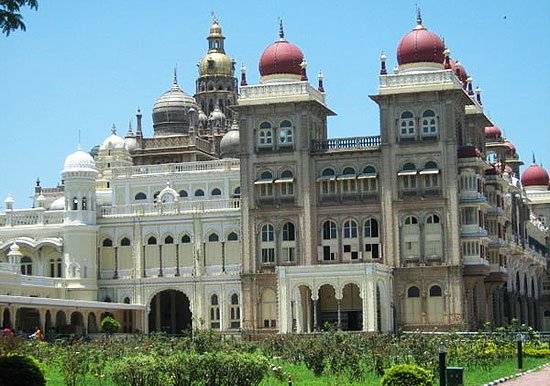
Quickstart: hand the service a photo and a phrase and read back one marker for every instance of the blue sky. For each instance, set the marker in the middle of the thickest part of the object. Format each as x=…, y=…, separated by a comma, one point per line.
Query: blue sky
x=82, y=66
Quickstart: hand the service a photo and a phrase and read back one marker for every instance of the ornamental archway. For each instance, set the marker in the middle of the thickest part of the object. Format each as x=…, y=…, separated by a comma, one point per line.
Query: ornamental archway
x=170, y=312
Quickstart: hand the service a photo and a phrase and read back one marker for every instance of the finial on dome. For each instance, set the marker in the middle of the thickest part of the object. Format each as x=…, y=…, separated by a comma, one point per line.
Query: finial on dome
x=447, y=54
x=534, y=160
x=214, y=17
x=130, y=133
x=281, y=30
x=38, y=182
x=243, y=76
x=469, y=81
x=320, y=78
x=175, y=75
x=418, y=16
x=113, y=129
x=383, y=70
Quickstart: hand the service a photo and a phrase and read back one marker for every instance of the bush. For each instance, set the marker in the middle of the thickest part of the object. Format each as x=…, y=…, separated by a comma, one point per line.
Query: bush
x=407, y=375
x=138, y=370
x=74, y=363
x=110, y=325
x=21, y=370
x=536, y=352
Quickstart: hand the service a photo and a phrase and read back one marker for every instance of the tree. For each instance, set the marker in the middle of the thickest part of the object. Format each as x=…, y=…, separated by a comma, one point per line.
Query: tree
x=10, y=17
x=109, y=325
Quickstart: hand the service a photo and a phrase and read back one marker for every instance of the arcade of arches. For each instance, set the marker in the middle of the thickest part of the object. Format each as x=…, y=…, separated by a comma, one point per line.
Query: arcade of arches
x=170, y=312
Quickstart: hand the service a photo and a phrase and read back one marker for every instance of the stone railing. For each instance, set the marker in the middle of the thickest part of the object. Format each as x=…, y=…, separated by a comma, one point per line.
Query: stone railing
x=419, y=79
x=345, y=144
x=186, y=167
x=26, y=217
x=280, y=90
x=190, y=206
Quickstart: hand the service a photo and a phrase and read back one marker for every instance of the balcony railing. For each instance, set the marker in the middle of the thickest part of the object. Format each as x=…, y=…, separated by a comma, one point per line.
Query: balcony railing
x=186, y=167
x=346, y=144
x=150, y=209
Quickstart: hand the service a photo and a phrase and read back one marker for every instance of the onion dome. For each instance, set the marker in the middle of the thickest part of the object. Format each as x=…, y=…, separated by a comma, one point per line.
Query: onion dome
x=493, y=132
x=510, y=148
x=535, y=175
x=420, y=46
x=113, y=141
x=170, y=112
x=79, y=161
x=202, y=116
x=459, y=70
x=216, y=62
x=230, y=143
x=131, y=144
x=58, y=204
x=216, y=115
x=468, y=151
x=281, y=60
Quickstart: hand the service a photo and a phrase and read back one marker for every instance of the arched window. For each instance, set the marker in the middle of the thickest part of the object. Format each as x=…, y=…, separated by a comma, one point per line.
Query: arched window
x=429, y=125
x=288, y=244
x=140, y=196
x=328, y=183
x=216, y=192
x=59, y=268
x=348, y=179
x=329, y=230
x=413, y=292
x=265, y=184
x=84, y=203
x=432, y=236
x=350, y=229
x=185, y=239
x=214, y=312
x=107, y=243
x=26, y=265
x=152, y=240
x=234, y=312
x=125, y=242
x=213, y=237
x=267, y=244
x=411, y=238
x=435, y=291
x=435, y=305
x=371, y=237
x=199, y=193
x=408, y=175
x=265, y=135
x=75, y=203
x=287, y=183
x=431, y=174
x=237, y=192
x=168, y=240
x=406, y=124
x=232, y=237
x=286, y=134
x=328, y=172
x=52, y=268
x=183, y=193
x=369, y=179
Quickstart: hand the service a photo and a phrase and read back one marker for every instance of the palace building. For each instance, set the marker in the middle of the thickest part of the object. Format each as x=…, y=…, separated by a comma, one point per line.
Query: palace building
x=240, y=214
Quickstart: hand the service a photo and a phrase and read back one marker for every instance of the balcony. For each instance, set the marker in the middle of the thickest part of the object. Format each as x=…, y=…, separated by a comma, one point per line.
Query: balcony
x=472, y=230
x=29, y=217
x=472, y=196
x=346, y=144
x=223, y=165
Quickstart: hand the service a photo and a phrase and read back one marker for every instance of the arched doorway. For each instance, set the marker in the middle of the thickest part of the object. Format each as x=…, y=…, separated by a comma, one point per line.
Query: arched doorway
x=61, y=322
x=77, y=323
x=170, y=312
x=328, y=307
x=7, y=318
x=352, y=308
x=27, y=319
x=48, y=327
x=92, y=323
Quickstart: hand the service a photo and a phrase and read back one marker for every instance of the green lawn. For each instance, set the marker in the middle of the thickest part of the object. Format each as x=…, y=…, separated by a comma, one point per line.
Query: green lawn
x=301, y=376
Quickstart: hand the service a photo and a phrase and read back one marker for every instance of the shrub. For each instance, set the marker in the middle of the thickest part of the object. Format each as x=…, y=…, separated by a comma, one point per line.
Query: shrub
x=21, y=370
x=536, y=352
x=138, y=370
x=407, y=375
x=74, y=364
x=110, y=325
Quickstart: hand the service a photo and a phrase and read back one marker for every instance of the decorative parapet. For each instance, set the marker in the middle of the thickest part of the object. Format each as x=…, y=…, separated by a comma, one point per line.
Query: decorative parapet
x=279, y=92
x=418, y=81
x=174, y=208
x=346, y=144
x=223, y=165
x=26, y=217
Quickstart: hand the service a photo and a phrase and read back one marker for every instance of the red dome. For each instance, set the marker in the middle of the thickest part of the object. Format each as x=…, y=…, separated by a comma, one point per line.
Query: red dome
x=510, y=148
x=420, y=45
x=535, y=175
x=462, y=74
x=281, y=57
x=492, y=132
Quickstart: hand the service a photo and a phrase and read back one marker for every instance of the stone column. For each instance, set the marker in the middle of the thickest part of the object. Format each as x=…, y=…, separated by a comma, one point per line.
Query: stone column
x=173, y=318
x=157, y=311
x=339, y=306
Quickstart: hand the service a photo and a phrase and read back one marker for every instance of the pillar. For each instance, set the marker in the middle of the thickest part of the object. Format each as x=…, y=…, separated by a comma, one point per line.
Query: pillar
x=173, y=315
x=157, y=311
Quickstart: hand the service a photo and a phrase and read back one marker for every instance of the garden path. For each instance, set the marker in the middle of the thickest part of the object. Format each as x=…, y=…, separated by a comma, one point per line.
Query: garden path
x=537, y=378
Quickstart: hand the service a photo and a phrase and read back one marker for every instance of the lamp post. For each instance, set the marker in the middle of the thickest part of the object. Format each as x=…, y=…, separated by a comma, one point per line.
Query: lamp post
x=442, y=364
x=519, y=339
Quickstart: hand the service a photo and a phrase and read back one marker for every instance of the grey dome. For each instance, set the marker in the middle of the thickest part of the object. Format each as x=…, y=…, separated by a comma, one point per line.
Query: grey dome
x=171, y=111
x=230, y=143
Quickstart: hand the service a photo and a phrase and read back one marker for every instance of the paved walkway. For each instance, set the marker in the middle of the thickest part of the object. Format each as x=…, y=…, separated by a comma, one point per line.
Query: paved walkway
x=538, y=378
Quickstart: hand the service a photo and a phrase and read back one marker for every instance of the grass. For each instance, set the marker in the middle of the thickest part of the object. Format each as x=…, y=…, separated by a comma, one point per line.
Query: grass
x=301, y=376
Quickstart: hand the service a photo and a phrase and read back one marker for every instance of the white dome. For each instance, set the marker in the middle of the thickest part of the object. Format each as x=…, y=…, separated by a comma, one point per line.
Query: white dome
x=217, y=114
x=58, y=204
x=113, y=142
x=79, y=161
x=131, y=144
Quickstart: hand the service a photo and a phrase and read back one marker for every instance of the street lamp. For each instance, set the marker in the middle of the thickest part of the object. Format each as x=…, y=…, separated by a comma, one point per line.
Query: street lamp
x=442, y=364
x=520, y=338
